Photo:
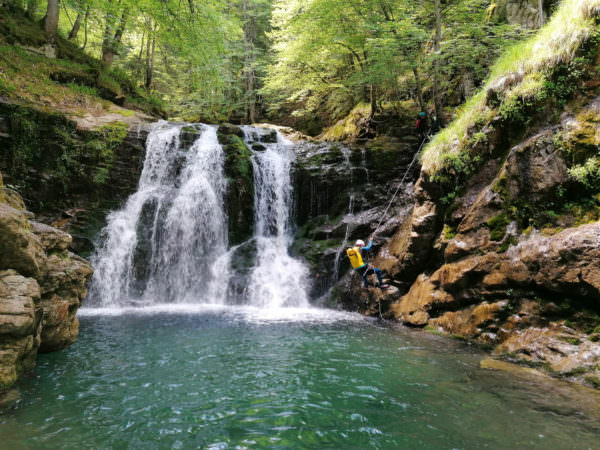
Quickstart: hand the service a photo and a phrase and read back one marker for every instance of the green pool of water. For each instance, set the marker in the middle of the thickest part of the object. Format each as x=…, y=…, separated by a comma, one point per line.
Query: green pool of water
x=234, y=379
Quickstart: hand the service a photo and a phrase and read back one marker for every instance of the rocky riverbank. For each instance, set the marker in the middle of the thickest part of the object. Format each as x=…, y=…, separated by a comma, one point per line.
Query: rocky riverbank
x=42, y=285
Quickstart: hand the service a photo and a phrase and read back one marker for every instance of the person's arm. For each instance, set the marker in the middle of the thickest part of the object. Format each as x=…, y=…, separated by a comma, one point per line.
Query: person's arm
x=368, y=247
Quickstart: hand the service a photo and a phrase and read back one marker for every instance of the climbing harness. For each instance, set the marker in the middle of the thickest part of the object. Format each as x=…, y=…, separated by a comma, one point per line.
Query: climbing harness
x=400, y=185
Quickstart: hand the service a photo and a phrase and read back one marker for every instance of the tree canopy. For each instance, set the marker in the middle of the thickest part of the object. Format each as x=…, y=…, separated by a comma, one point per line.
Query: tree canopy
x=287, y=60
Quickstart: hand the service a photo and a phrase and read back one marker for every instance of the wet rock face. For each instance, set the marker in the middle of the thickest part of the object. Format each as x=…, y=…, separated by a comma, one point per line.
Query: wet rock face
x=340, y=194
x=41, y=288
x=240, y=185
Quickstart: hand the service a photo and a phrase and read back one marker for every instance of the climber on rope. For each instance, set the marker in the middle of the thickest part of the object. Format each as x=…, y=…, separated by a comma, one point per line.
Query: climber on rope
x=356, y=260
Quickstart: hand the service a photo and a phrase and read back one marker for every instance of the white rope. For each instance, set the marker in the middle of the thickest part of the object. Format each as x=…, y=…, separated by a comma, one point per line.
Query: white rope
x=398, y=188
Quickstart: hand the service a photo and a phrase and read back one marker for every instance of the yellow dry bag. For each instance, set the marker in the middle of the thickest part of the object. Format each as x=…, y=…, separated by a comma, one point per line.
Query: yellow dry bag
x=355, y=257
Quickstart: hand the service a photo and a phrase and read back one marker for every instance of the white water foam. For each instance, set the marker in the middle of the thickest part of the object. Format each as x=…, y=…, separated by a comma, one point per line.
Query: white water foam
x=278, y=280
x=246, y=313
x=163, y=242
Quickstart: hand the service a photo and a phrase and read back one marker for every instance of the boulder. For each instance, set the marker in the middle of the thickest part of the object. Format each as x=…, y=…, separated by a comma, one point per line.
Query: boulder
x=423, y=296
x=63, y=289
x=20, y=325
x=557, y=346
x=52, y=239
x=20, y=249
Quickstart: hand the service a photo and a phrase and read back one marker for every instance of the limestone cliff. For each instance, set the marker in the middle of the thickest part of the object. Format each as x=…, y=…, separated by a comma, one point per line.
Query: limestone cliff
x=42, y=285
x=502, y=244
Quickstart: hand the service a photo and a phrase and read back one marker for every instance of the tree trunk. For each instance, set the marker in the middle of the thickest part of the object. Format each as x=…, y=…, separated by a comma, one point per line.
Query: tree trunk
x=85, y=27
x=436, y=63
x=373, y=101
x=76, y=26
x=150, y=58
x=51, y=20
x=111, y=41
x=249, y=62
x=419, y=89
x=32, y=6
x=541, y=12
x=107, y=52
x=142, y=47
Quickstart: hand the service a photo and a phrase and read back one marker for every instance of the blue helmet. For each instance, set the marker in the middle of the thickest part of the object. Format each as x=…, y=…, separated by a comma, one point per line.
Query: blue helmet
x=422, y=114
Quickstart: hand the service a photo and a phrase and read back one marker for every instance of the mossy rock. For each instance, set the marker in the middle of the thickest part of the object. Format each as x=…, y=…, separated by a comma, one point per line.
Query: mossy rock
x=497, y=226
x=240, y=187
x=227, y=129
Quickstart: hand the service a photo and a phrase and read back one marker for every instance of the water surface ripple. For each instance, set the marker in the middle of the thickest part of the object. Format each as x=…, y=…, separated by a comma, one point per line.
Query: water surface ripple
x=233, y=378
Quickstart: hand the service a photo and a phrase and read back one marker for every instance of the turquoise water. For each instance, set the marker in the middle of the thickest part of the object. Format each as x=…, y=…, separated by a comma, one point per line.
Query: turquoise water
x=234, y=379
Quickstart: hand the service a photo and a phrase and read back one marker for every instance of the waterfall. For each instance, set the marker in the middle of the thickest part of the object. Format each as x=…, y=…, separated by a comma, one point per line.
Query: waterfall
x=168, y=244
x=163, y=244
x=277, y=279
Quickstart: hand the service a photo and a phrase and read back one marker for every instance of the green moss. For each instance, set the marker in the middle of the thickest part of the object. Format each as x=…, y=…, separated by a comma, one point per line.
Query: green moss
x=576, y=371
x=506, y=245
x=434, y=330
x=570, y=340
x=594, y=381
x=49, y=159
x=240, y=186
x=497, y=226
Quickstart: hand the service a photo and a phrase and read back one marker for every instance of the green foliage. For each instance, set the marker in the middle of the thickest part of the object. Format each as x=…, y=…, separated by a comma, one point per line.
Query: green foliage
x=588, y=174
x=449, y=232
x=458, y=167
x=81, y=89
x=534, y=61
x=331, y=55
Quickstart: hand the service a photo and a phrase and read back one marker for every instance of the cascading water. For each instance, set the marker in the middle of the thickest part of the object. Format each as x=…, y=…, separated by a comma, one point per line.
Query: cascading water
x=277, y=279
x=163, y=245
x=168, y=244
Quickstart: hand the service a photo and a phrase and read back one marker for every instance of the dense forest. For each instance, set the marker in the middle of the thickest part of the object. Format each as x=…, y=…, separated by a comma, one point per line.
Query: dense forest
x=301, y=63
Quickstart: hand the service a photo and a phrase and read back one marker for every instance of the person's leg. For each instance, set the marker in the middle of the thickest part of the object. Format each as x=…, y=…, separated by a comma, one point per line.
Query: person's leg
x=379, y=277
x=365, y=272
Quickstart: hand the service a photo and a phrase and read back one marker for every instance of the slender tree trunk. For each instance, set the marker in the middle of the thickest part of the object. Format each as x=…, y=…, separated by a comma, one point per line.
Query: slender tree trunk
x=436, y=63
x=373, y=101
x=250, y=60
x=419, y=88
x=85, y=27
x=76, y=26
x=150, y=48
x=142, y=47
x=51, y=20
x=541, y=12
